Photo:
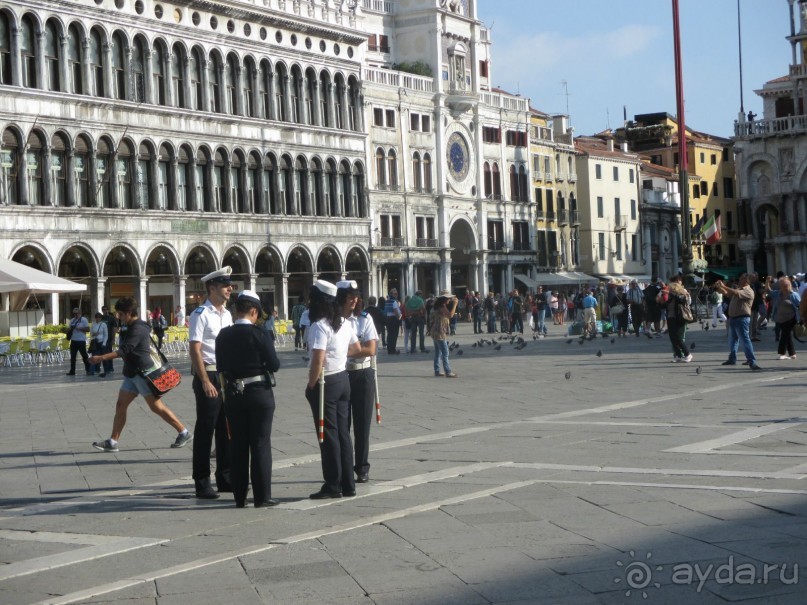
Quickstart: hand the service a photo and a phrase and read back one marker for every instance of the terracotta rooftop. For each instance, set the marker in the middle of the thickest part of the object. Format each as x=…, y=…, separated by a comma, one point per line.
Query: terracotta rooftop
x=597, y=146
x=778, y=80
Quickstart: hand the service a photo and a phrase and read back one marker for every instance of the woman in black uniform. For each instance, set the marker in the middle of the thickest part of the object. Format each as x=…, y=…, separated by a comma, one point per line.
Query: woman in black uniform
x=245, y=356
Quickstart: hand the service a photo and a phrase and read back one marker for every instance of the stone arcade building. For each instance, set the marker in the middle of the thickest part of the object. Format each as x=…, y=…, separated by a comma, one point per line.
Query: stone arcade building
x=772, y=165
x=145, y=143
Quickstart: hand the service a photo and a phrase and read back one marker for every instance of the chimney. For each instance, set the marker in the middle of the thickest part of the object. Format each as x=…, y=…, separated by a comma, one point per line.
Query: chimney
x=624, y=147
x=610, y=144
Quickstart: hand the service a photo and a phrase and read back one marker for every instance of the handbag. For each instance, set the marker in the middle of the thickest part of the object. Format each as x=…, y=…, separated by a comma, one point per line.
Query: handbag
x=800, y=332
x=685, y=312
x=618, y=309
x=165, y=377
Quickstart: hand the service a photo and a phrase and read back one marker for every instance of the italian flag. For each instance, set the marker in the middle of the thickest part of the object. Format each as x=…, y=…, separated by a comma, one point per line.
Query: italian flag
x=711, y=230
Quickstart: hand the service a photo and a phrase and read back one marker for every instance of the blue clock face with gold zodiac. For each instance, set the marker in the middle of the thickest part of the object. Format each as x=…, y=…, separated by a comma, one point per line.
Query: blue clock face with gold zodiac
x=457, y=156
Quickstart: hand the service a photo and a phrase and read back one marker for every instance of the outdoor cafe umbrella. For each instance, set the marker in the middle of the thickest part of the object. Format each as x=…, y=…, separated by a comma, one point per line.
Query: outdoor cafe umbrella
x=20, y=281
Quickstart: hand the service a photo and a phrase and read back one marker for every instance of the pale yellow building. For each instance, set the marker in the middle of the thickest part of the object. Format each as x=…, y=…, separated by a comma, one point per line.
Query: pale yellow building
x=712, y=183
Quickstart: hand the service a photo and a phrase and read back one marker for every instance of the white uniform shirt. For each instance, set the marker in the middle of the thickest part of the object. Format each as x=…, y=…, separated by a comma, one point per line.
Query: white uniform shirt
x=365, y=331
x=320, y=336
x=205, y=324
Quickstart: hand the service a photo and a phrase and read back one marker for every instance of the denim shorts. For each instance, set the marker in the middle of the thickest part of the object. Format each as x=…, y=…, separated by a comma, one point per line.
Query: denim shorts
x=136, y=384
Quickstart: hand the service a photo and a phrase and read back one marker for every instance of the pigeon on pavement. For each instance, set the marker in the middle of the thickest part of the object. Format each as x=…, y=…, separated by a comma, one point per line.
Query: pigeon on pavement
x=599, y=352
x=698, y=370
x=568, y=375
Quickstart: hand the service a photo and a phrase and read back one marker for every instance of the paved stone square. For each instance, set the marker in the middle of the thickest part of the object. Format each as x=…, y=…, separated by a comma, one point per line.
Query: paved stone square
x=634, y=480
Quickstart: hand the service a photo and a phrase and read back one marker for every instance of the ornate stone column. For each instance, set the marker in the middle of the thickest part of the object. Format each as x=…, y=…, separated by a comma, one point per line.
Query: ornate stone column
x=41, y=68
x=16, y=57
x=92, y=179
x=238, y=81
x=109, y=92
x=315, y=105
x=329, y=104
x=283, y=301
x=173, y=186
x=169, y=80
x=64, y=70
x=287, y=99
x=205, y=66
x=253, y=281
x=445, y=270
x=100, y=292
x=148, y=70
x=71, y=178
x=144, y=284
x=179, y=294
x=86, y=68
x=47, y=177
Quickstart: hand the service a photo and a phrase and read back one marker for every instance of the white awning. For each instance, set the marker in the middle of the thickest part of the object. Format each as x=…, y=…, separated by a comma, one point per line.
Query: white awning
x=24, y=281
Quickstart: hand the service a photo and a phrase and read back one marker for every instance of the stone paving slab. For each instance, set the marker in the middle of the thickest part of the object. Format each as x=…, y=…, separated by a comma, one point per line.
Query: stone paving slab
x=632, y=454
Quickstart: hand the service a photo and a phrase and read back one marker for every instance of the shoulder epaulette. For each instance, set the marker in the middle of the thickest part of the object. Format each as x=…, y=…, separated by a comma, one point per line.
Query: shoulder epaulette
x=199, y=310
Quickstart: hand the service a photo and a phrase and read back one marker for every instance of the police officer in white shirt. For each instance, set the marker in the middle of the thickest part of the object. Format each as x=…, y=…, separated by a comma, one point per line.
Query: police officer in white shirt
x=360, y=373
x=330, y=340
x=206, y=322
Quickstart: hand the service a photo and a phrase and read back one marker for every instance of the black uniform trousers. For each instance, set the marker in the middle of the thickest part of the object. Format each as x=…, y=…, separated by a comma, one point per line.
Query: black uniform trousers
x=250, y=416
x=393, y=325
x=337, y=450
x=209, y=420
x=362, y=395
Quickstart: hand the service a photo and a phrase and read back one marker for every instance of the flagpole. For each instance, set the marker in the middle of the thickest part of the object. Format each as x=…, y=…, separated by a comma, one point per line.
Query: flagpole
x=683, y=179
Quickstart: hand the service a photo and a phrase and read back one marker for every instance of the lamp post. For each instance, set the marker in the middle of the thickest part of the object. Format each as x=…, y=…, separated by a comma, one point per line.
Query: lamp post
x=686, y=235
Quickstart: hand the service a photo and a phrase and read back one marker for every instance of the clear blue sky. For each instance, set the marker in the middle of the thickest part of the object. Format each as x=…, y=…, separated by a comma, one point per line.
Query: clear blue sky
x=615, y=53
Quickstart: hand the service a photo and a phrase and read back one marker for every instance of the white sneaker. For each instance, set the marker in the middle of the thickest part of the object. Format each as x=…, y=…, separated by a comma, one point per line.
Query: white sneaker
x=687, y=359
x=793, y=356
x=783, y=357
x=675, y=360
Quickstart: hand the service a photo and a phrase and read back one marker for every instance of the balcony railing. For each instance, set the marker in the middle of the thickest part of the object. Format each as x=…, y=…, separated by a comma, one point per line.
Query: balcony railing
x=574, y=217
x=377, y=48
x=538, y=175
x=550, y=216
x=777, y=126
x=379, y=6
x=620, y=222
x=563, y=217
x=399, y=79
x=392, y=241
x=539, y=215
x=424, y=242
x=495, y=245
x=560, y=176
x=521, y=247
x=572, y=177
x=504, y=101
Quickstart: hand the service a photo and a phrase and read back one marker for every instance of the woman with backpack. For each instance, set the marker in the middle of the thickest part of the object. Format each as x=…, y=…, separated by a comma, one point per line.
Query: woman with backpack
x=677, y=297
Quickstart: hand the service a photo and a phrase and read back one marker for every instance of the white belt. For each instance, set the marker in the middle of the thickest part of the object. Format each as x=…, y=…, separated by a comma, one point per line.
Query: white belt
x=210, y=367
x=332, y=372
x=250, y=380
x=358, y=365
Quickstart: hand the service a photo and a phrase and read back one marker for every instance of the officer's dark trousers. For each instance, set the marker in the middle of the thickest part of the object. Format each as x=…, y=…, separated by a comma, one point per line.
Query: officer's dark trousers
x=393, y=328
x=337, y=450
x=250, y=417
x=362, y=394
x=210, y=420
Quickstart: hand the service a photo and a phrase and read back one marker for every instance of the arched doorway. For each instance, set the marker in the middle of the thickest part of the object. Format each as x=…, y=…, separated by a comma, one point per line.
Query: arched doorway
x=357, y=268
x=77, y=264
x=300, y=269
x=122, y=272
x=162, y=270
x=33, y=257
x=237, y=259
x=463, y=250
x=329, y=266
x=268, y=267
x=198, y=263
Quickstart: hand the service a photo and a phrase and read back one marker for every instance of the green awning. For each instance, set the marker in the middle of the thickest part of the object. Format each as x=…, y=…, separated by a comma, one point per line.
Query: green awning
x=728, y=272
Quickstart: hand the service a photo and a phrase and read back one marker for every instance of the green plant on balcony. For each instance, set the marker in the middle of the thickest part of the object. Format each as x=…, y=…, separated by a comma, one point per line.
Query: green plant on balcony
x=419, y=68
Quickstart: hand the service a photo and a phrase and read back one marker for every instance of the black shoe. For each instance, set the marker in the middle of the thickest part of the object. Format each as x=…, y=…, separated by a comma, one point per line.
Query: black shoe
x=267, y=503
x=349, y=493
x=362, y=477
x=70, y=374
x=324, y=494
x=427, y=350
x=754, y=367
x=204, y=490
x=240, y=503
x=729, y=363
x=102, y=375
x=223, y=486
